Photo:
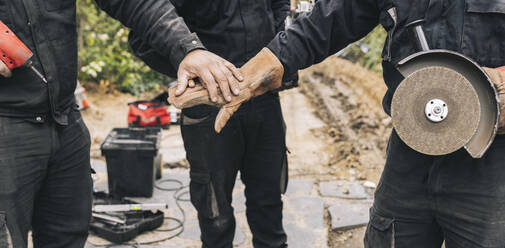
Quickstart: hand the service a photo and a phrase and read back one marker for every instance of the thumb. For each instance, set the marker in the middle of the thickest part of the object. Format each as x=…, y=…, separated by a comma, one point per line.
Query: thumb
x=223, y=116
x=4, y=71
x=182, y=84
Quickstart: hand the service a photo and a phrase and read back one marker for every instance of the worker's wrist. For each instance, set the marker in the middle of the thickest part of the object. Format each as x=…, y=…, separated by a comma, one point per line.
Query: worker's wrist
x=276, y=46
x=184, y=47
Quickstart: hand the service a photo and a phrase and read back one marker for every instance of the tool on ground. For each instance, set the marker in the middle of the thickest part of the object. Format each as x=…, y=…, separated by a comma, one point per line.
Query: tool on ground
x=107, y=217
x=152, y=113
x=122, y=226
x=129, y=207
x=262, y=73
x=14, y=53
x=446, y=102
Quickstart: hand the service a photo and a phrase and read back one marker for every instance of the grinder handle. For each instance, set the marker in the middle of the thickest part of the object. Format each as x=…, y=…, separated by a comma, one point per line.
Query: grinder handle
x=416, y=30
x=13, y=52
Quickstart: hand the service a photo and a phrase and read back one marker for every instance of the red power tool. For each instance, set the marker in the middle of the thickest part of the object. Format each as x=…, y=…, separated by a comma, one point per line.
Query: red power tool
x=14, y=53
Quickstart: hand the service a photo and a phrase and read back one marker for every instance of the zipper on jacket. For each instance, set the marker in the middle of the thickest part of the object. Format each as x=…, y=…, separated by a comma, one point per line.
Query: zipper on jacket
x=392, y=13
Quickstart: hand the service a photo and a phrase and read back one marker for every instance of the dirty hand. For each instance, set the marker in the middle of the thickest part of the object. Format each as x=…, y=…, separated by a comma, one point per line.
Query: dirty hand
x=4, y=71
x=213, y=72
x=497, y=76
x=262, y=73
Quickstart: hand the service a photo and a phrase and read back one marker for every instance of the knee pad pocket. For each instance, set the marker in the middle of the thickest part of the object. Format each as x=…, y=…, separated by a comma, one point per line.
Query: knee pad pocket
x=203, y=195
x=380, y=232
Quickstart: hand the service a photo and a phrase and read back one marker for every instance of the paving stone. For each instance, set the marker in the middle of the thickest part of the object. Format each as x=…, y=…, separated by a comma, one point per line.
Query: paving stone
x=172, y=146
x=299, y=237
x=343, y=189
x=238, y=202
x=239, y=236
x=192, y=231
x=308, y=209
x=348, y=215
x=98, y=165
x=299, y=187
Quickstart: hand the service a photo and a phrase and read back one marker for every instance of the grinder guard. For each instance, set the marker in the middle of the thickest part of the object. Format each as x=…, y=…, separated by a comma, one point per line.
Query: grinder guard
x=485, y=89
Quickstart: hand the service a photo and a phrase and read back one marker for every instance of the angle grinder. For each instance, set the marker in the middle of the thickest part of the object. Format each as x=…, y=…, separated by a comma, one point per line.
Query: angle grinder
x=446, y=102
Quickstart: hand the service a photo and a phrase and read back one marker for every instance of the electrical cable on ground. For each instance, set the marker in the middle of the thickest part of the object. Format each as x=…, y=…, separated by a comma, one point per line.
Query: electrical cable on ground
x=178, y=196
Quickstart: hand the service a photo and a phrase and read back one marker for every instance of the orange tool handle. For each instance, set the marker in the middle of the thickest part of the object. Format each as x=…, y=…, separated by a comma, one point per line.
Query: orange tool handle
x=13, y=52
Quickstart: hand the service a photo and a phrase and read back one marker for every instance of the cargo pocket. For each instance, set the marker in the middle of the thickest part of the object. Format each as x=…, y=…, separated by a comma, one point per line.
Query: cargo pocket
x=484, y=32
x=284, y=172
x=5, y=237
x=203, y=196
x=380, y=232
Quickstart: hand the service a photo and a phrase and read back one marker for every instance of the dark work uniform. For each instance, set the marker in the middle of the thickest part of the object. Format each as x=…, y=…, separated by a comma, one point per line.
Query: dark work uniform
x=421, y=200
x=45, y=182
x=253, y=141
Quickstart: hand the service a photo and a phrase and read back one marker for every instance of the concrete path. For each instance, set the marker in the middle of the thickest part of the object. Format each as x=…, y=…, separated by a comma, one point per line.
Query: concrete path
x=314, y=210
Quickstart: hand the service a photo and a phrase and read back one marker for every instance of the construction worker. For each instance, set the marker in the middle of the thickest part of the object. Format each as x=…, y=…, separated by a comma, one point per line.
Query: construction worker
x=45, y=182
x=253, y=142
x=421, y=201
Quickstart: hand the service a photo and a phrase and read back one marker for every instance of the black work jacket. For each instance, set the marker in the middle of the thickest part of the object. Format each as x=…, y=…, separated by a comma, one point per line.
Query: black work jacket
x=234, y=29
x=48, y=28
x=475, y=28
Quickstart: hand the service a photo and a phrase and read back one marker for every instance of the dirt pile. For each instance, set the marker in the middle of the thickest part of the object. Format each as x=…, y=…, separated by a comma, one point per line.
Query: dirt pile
x=348, y=98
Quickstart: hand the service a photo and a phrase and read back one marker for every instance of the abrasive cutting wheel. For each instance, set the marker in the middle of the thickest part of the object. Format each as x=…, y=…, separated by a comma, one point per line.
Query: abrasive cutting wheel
x=446, y=102
x=435, y=110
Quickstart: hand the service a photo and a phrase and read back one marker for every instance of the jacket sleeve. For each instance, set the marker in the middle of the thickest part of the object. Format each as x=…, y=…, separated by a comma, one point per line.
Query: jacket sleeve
x=157, y=22
x=332, y=25
x=280, y=9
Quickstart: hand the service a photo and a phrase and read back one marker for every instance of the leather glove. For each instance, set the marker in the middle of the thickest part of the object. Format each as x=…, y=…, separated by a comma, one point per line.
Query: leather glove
x=261, y=74
x=497, y=76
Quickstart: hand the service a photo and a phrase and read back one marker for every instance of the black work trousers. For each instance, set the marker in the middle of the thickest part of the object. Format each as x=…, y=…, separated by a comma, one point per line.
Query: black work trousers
x=45, y=182
x=253, y=142
x=423, y=200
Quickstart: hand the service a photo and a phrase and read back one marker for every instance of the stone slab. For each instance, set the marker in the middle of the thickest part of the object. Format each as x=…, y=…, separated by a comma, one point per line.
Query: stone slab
x=307, y=211
x=348, y=215
x=299, y=187
x=238, y=202
x=192, y=231
x=172, y=145
x=343, y=189
x=299, y=237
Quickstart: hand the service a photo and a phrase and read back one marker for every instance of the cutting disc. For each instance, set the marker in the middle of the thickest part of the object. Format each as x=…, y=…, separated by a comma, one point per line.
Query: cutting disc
x=415, y=125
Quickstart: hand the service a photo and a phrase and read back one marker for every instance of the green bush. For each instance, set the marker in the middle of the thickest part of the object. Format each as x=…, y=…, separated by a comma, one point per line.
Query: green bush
x=373, y=57
x=104, y=53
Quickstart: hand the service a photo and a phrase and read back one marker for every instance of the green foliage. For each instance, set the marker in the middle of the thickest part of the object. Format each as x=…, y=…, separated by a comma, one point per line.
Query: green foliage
x=104, y=53
x=375, y=43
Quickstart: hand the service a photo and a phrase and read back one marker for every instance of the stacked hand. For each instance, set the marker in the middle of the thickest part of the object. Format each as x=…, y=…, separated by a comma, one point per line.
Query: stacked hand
x=262, y=73
x=213, y=71
x=497, y=76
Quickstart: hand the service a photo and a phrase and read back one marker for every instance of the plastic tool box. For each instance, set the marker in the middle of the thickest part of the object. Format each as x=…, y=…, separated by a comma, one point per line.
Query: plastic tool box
x=133, y=160
x=137, y=222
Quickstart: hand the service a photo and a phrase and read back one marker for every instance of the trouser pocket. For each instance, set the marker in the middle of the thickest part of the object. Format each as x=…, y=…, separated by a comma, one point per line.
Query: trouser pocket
x=284, y=173
x=203, y=196
x=380, y=232
x=5, y=237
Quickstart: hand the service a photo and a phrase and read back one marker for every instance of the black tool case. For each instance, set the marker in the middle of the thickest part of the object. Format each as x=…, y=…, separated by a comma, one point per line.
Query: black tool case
x=137, y=222
x=133, y=160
